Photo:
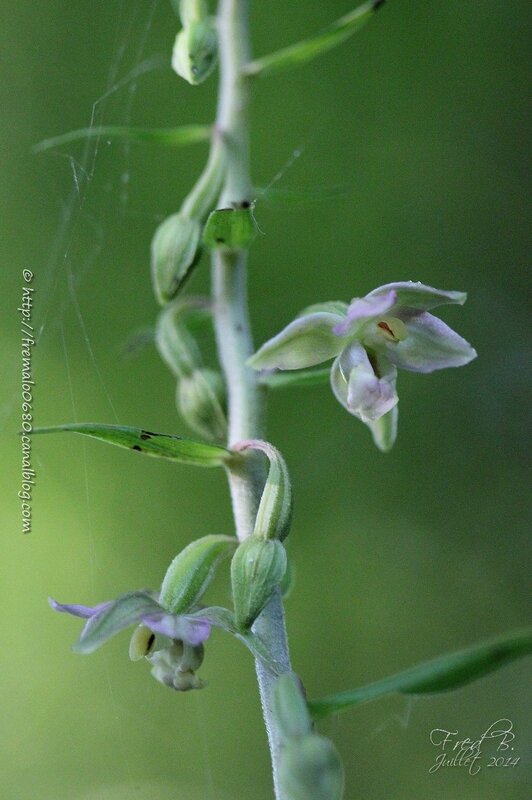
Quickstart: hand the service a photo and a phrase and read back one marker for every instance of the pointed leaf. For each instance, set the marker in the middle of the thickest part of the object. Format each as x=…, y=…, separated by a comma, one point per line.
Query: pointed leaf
x=192, y=570
x=442, y=674
x=161, y=445
x=274, y=514
x=186, y=134
x=302, y=52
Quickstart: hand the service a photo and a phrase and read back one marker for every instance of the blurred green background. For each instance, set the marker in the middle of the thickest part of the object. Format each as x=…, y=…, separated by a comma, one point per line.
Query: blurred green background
x=413, y=139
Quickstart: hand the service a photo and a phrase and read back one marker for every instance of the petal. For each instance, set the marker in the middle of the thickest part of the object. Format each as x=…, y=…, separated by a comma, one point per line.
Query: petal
x=384, y=430
x=364, y=308
x=192, y=631
x=77, y=610
x=412, y=294
x=305, y=342
x=430, y=345
x=359, y=389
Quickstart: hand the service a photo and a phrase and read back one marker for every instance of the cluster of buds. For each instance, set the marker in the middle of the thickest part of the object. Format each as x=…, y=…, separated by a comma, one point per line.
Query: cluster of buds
x=200, y=393
x=176, y=244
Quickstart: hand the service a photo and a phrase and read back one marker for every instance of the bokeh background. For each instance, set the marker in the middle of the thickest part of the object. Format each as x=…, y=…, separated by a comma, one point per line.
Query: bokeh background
x=413, y=166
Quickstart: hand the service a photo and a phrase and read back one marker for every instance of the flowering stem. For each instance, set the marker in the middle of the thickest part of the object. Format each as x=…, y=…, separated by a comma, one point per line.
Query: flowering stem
x=245, y=397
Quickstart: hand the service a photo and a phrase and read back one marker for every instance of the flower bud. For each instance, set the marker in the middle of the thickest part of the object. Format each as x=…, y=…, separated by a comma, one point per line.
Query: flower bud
x=191, y=571
x=257, y=568
x=310, y=769
x=175, y=249
x=175, y=342
x=201, y=402
x=195, y=50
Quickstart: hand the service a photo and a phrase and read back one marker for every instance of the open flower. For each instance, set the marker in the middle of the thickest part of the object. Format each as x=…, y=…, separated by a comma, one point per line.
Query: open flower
x=173, y=643
x=369, y=339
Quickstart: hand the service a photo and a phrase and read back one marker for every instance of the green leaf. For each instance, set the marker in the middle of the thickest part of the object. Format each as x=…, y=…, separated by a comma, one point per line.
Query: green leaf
x=440, y=675
x=308, y=49
x=174, y=137
x=192, y=570
x=161, y=445
x=290, y=707
x=274, y=514
x=223, y=618
x=301, y=378
x=230, y=228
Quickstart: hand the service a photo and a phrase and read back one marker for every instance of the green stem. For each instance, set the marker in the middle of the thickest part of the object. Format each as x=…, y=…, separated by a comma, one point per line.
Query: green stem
x=245, y=397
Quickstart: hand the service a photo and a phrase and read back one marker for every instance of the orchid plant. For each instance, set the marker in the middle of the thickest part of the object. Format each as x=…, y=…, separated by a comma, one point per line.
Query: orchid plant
x=367, y=340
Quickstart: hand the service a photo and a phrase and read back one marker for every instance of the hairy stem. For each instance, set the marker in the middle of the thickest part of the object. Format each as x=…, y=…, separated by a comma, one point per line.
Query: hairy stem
x=245, y=396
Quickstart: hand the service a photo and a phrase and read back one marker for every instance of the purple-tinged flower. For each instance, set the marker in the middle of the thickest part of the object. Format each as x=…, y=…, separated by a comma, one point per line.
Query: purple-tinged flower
x=369, y=339
x=172, y=642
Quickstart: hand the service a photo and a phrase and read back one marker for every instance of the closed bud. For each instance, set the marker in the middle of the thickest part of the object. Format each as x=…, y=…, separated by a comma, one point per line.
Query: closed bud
x=257, y=568
x=175, y=342
x=191, y=571
x=201, y=402
x=175, y=249
x=310, y=769
x=195, y=50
